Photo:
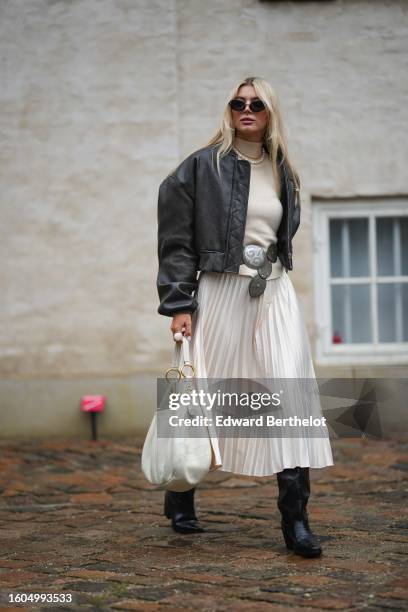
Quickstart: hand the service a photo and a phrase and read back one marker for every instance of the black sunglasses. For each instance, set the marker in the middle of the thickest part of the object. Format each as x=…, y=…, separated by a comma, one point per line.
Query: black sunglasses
x=239, y=105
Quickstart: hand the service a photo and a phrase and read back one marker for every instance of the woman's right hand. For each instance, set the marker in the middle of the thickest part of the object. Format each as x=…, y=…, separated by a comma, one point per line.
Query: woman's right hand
x=181, y=324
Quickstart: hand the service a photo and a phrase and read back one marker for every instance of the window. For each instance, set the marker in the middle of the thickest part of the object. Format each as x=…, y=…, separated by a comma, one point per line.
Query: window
x=361, y=281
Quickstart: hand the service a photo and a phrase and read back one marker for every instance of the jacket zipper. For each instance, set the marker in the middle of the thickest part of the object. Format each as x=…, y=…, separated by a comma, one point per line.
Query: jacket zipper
x=288, y=211
x=226, y=257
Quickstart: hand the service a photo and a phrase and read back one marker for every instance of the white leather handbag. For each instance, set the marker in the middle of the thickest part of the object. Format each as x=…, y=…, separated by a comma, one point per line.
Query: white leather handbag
x=178, y=462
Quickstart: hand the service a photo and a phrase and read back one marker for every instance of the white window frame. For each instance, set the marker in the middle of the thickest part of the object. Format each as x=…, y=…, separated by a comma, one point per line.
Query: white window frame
x=328, y=353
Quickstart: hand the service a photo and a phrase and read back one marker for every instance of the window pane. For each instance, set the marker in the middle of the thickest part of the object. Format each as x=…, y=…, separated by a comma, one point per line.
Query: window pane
x=393, y=312
x=405, y=312
x=385, y=246
x=404, y=245
x=386, y=312
x=335, y=248
x=348, y=247
x=358, y=229
x=351, y=313
x=338, y=315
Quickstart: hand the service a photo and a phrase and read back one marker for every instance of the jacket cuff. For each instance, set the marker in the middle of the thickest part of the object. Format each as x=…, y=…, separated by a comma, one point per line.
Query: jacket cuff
x=176, y=297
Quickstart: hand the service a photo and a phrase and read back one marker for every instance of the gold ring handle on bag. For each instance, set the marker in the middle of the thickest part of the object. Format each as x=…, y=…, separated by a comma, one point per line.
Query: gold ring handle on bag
x=187, y=364
x=173, y=370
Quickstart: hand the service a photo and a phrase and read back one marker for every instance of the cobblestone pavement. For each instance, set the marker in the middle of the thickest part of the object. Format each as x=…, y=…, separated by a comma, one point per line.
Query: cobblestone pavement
x=78, y=517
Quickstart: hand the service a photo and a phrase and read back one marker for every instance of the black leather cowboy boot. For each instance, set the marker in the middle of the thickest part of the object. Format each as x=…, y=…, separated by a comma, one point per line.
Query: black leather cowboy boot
x=294, y=492
x=179, y=507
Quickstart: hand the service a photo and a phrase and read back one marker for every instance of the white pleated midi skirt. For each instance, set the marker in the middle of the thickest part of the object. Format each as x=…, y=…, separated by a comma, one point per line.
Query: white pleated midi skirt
x=237, y=336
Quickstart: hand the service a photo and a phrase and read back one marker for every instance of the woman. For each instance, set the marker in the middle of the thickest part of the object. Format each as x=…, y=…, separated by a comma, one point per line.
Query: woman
x=230, y=211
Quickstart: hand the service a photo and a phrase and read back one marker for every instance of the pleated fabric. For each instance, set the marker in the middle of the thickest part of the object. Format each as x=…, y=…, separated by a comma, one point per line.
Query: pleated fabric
x=237, y=336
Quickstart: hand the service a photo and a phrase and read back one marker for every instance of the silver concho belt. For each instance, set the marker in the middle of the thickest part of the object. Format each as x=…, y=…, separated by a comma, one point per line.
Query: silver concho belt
x=260, y=259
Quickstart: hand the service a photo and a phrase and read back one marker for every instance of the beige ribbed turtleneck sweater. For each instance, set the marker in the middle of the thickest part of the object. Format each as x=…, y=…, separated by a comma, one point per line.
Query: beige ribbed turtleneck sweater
x=264, y=207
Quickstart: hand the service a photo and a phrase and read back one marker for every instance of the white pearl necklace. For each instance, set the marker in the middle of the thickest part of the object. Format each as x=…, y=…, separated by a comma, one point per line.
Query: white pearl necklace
x=251, y=159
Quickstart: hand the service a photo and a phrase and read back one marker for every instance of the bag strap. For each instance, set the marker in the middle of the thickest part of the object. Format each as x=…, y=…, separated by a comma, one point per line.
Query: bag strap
x=181, y=353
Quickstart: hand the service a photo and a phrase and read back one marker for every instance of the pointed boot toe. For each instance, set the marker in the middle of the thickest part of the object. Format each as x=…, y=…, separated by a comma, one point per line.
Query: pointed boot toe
x=300, y=539
x=187, y=526
x=179, y=507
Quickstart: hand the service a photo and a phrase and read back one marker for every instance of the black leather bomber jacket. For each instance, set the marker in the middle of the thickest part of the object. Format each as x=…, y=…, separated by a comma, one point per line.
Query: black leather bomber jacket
x=201, y=223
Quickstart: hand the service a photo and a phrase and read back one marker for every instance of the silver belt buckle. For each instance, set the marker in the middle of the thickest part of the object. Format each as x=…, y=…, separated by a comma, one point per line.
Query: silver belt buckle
x=254, y=256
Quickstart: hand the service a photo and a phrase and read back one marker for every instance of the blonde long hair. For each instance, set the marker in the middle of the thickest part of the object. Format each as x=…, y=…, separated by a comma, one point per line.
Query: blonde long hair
x=274, y=136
